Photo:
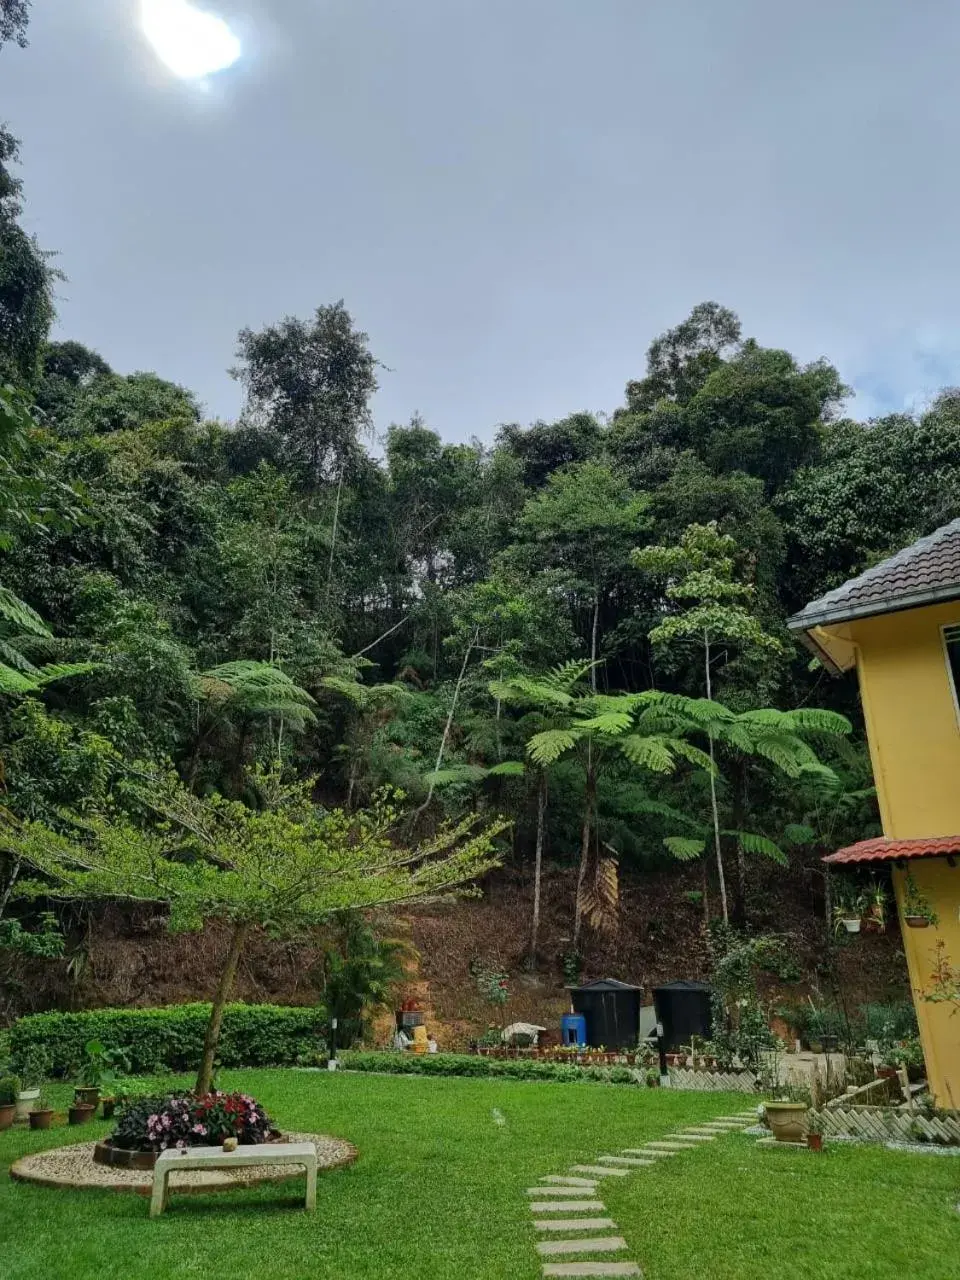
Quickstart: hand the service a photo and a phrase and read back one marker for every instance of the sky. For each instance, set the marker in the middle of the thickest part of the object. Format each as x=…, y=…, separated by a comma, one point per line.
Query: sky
x=513, y=197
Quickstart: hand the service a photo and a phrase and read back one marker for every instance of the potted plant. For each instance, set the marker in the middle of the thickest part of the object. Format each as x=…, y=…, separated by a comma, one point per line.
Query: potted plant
x=848, y=909
x=876, y=916
x=787, y=1120
x=41, y=1115
x=9, y=1088
x=917, y=912
x=81, y=1112
x=99, y=1071
x=35, y=1064
x=814, y=1132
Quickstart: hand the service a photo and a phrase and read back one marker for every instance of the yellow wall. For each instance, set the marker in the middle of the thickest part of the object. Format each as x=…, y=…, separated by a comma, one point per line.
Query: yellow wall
x=914, y=735
x=939, y=1023
x=911, y=719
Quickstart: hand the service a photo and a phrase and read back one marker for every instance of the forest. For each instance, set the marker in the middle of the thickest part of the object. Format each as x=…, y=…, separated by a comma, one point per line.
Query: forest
x=573, y=631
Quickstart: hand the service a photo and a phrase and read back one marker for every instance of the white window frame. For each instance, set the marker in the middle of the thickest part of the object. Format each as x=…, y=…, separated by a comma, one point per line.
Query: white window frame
x=950, y=635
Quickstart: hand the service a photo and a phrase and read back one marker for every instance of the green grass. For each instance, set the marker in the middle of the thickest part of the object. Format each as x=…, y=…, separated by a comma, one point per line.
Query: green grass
x=438, y=1193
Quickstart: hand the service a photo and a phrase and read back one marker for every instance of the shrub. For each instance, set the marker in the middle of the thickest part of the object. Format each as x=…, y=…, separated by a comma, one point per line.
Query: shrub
x=256, y=1035
x=9, y=1088
x=464, y=1064
x=182, y=1120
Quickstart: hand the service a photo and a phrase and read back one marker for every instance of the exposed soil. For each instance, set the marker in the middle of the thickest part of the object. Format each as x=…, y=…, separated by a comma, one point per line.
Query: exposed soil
x=129, y=959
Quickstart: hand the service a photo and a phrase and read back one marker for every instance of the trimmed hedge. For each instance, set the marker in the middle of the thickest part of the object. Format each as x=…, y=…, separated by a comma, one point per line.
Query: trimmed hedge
x=465, y=1064
x=171, y=1039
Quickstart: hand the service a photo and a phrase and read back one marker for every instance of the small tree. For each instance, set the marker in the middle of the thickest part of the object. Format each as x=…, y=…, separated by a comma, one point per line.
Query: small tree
x=285, y=868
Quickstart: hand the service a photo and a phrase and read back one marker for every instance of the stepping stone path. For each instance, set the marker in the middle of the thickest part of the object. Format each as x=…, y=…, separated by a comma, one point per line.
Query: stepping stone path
x=576, y=1193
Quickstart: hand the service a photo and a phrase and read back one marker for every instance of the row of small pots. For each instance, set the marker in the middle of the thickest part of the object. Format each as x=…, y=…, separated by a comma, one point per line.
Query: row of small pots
x=852, y=924
x=83, y=1110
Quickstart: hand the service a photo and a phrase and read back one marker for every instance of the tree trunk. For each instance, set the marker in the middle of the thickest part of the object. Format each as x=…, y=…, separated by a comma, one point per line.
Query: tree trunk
x=336, y=529
x=713, y=792
x=589, y=802
x=224, y=987
x=449, y=724
x=594, y=631
x=538, y=866
x=705, y=880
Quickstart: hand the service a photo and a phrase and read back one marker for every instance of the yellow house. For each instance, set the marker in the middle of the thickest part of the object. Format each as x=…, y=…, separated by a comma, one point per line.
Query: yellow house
x=899, y=625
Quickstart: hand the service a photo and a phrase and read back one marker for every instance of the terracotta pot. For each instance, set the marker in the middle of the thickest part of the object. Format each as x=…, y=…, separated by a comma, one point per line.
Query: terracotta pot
x=87, y=1097
x=887, y=1073
x=25, y=1099
x=815, y=1141
x=41, y=1119
x=787, y=1120
x=917, y=922
x=7, y=1114
x=80, y=1113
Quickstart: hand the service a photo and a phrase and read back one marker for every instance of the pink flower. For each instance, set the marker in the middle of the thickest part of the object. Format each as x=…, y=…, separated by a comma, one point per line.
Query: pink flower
x=199, y=1128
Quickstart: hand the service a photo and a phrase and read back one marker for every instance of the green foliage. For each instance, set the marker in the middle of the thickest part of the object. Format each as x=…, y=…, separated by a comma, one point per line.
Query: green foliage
x=358, y=975
x=9, y=1088
x=171, y=1038
x=454, y=1064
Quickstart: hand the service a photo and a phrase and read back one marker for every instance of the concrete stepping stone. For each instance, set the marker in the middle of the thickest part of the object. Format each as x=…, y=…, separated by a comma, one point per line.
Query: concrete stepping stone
x=578, y=1189
x=648, y=1152
x=576, y=1224
x=633, y=1161
x=600, y=1170
x=599, y=1244
x=670, y=1147
x=565, y=1206
x=568, y=1182
x=697, y=1130
x=591, y=1269
x=693, y=1137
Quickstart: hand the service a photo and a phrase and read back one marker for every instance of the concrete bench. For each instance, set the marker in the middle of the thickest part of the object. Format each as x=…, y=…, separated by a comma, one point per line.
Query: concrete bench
x=304, y=1153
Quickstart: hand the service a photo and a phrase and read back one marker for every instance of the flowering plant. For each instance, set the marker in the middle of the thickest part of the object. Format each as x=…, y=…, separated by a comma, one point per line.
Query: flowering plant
x=185, y=1120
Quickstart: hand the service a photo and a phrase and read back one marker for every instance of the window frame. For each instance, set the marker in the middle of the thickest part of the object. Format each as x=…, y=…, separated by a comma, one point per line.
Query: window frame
x=950, y=634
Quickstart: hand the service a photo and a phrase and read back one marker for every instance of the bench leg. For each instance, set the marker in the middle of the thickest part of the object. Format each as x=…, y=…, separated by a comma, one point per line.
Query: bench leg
x=311, y=1200
x=158, y=1201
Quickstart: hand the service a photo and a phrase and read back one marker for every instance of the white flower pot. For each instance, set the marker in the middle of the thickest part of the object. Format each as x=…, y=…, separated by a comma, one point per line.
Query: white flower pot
x=25, y=1100
x=851, y=925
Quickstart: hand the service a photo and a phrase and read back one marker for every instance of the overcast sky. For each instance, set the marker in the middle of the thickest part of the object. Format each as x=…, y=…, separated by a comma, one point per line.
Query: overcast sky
x=512, y=196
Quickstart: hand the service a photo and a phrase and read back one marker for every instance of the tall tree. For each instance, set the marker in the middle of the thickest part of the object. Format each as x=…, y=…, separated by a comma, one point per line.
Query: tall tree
x=311, y=382
x=14, y=16
x=26, y=279
x=706, y=605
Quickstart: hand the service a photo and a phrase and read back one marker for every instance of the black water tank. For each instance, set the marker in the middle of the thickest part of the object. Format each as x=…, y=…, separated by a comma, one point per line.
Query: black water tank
x=612, y=1011
x=683, y=1008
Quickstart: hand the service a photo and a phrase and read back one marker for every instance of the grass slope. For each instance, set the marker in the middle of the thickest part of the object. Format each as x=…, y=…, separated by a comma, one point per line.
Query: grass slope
x=438, y=1193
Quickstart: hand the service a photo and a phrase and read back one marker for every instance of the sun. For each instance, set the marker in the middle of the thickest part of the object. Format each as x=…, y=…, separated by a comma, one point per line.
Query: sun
x=191, y=42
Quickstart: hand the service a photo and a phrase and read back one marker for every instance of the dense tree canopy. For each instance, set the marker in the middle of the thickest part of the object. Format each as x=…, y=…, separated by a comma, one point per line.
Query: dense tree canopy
x=278, y=593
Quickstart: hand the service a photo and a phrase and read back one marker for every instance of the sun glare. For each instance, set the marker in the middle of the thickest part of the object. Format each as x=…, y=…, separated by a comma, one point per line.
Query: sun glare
x=189, y=41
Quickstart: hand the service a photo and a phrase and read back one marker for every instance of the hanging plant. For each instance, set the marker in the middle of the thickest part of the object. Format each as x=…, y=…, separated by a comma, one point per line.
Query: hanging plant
x=917, y=912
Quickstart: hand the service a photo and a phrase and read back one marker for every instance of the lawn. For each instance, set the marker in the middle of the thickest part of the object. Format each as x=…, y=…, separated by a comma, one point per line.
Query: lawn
x=438, y=1193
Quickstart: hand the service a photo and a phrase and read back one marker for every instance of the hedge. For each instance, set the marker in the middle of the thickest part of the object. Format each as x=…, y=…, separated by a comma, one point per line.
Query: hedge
x=464, y=1064
x=253, y=1035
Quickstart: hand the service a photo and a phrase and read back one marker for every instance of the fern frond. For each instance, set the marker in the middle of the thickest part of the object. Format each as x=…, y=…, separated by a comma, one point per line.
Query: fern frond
x=684, y=848
x=648, y=752
x=507, y=769
x=547, y=747
x=751, y=842
x=18, y=615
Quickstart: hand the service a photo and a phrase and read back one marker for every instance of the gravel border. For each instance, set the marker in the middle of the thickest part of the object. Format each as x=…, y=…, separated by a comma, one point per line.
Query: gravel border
x=73, y=1167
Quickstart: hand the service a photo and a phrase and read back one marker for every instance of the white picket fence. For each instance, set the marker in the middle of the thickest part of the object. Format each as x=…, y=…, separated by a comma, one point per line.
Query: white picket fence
x=712, y=1081
x=881, y=1124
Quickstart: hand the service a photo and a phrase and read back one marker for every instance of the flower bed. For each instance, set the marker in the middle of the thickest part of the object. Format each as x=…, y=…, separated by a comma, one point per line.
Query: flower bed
x=148, y=1126
x=574, y=1055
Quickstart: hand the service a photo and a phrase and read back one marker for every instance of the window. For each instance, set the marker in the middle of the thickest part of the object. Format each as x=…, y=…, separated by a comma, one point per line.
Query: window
x=951, y=643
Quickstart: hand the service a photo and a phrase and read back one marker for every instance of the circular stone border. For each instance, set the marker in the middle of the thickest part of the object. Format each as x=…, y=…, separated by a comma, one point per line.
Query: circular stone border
x=72, y=1167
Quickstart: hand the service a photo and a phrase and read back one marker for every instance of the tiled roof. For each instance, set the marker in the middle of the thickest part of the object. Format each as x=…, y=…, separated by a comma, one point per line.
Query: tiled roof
x=923, y=573
x=883, y=849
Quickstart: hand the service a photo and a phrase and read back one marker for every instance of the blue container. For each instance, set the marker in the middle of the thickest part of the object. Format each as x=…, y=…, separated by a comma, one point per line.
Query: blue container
x=573, y=1028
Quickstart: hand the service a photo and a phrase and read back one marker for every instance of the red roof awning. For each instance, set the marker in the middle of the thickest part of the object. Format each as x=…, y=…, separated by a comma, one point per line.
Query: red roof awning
x=883, y=849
